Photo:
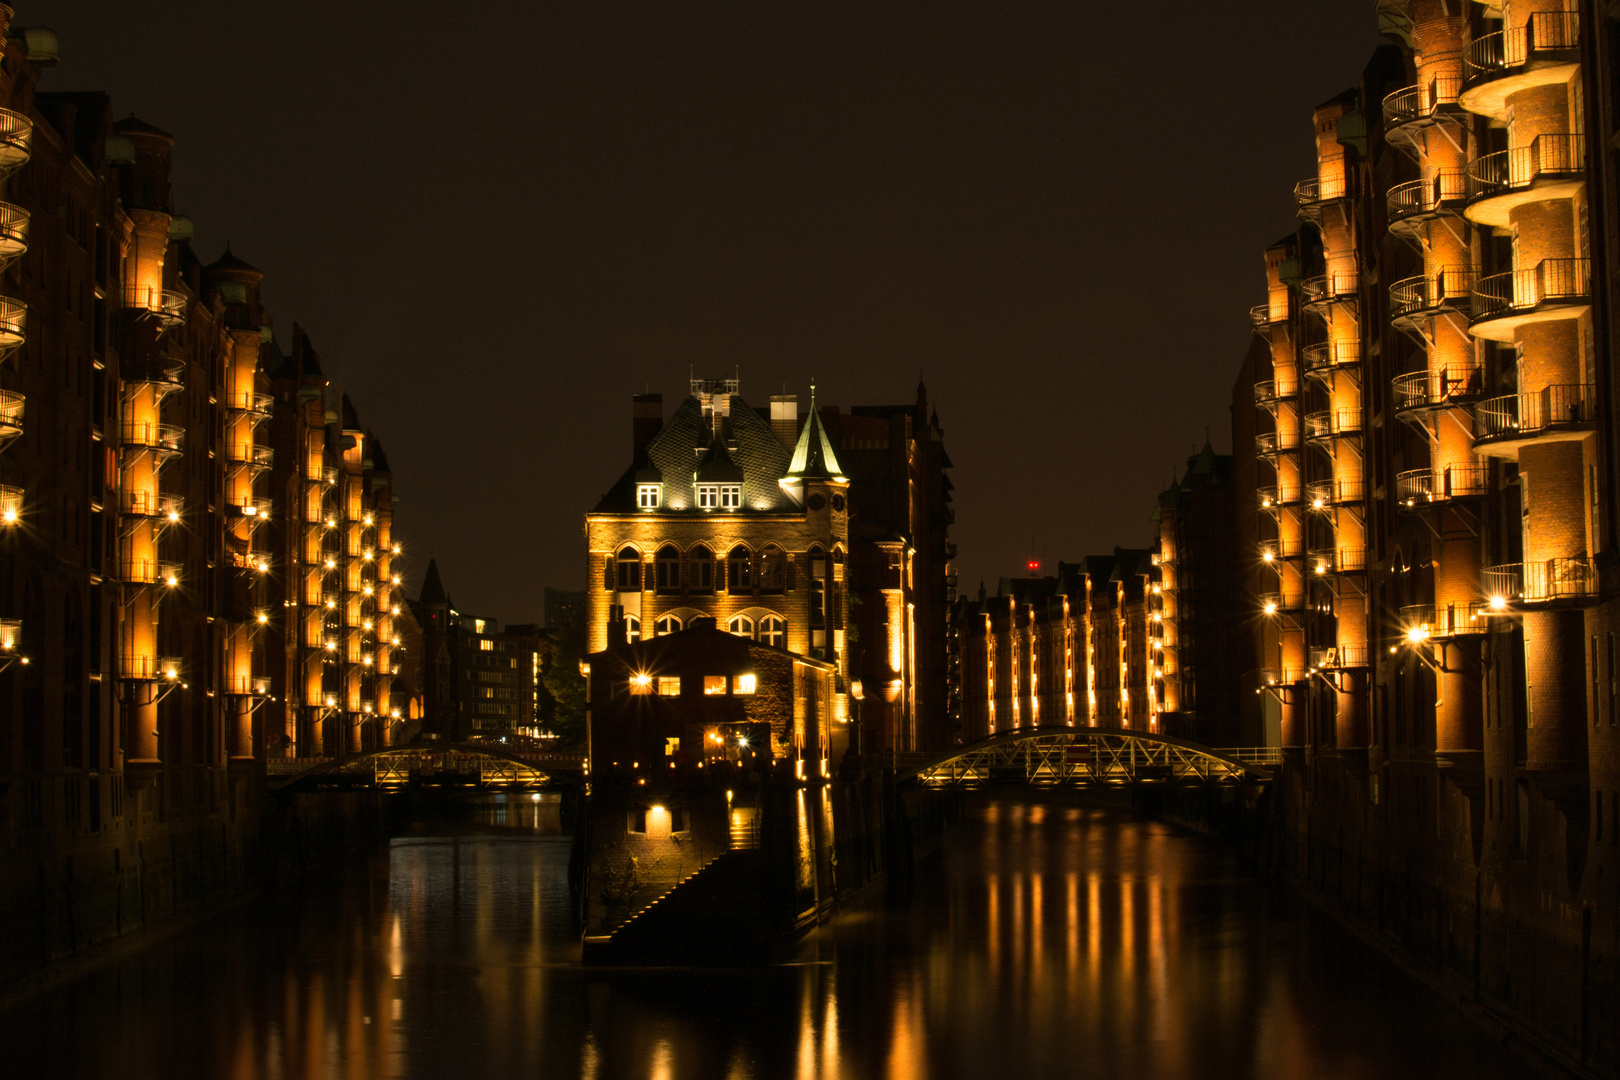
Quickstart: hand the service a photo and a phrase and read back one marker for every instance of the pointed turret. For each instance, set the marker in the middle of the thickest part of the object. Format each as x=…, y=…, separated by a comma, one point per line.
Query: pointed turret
x=813, y=457
x=432, y=588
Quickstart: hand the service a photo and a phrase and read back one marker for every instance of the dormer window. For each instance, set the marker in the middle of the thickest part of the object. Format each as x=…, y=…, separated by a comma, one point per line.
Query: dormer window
x=647, y=496
x=730, y=496
x=708, y=496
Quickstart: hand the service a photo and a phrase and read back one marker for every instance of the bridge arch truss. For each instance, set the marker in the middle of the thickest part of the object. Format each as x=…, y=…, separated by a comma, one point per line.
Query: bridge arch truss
x=452, y=764
x=1084, y=756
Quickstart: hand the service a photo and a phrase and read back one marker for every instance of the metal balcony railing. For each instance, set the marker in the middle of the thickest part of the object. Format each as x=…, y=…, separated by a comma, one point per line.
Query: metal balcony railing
x=1336, y=561
x=166, y=305
x=1326, y=288
x=1332, y=423
x=13, y=232
x=255, y=403
x=1275, y=495
x=12, y=405
x=11, y=504
x=1281, y=548
x=1445, y=190
x=1334, y=185
x=1273, y=390
x=1324, y=356
x=13, y=323
x=1322, y=494
x=1432, y=389
x=1276, y=442
x=144, y=570
x=1550, y=157
x=1540, y=582
x=250, y=454
x=16, y=140
x=1447, y=288
x=154, y=436
x=1416, y=488
x=1273, y=602
x=1415, y=103
x=152, y=504
x=1341, y=656
x=253, y=508
x=1522, y=416
x=1549, y=36
x=1445, y=621
x=1517, y=292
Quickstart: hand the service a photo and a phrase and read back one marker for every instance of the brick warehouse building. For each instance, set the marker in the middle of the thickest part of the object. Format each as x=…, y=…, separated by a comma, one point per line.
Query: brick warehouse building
x=155, y=548
x=1435, y=466
x=761, y=525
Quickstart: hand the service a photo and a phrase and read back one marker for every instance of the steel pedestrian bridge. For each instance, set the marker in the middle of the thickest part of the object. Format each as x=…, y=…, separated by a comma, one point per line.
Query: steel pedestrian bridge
x=469, y=764
x=1087, y=756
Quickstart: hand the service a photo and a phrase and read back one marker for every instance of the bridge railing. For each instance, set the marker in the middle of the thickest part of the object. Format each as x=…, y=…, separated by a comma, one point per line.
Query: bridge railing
x=1046, y=756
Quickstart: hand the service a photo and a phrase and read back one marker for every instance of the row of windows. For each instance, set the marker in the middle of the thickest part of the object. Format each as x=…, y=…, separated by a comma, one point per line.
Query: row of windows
x=709, y=496
x=743, y=569
x=770, y=630
x=670, y=685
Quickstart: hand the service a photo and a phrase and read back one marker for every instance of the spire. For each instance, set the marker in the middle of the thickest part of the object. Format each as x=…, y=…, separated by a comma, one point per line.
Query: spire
x=813, y=457
x=432, y=588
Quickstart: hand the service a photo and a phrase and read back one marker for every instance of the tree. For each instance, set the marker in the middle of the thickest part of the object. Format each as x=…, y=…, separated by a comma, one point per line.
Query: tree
x=564, y=683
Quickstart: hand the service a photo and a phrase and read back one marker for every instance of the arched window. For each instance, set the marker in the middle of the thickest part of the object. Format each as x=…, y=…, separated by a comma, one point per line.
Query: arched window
x=772, y=569
x=740, y=570
x=702, y=569
x=741, y=625
x=629, y=570
x=668, y=565
x=669, y=624
x=773, y=631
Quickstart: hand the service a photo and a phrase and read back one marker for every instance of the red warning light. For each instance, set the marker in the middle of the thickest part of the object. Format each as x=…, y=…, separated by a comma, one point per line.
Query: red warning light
x=1034, y=564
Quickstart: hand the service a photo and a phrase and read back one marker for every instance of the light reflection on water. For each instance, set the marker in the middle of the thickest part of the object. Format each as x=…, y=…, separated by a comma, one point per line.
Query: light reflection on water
x=1048, y=941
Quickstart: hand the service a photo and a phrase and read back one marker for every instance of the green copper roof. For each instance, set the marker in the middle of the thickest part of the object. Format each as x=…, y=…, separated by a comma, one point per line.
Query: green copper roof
x=813, y=457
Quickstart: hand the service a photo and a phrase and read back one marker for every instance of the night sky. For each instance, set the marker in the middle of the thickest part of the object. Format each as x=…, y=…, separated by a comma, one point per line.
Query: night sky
x=498, y=221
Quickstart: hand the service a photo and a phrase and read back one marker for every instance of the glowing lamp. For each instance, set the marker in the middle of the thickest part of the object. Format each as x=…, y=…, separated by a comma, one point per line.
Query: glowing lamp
x=1267, y=556
x=1271, y=609
x=1498, y=603
x=1416, y=634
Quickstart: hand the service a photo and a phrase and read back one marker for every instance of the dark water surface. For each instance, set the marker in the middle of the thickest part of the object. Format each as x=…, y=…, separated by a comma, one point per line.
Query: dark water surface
x=1046, y=941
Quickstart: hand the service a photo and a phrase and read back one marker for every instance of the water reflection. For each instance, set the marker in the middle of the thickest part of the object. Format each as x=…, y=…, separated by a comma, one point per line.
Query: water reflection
x=1046, y=941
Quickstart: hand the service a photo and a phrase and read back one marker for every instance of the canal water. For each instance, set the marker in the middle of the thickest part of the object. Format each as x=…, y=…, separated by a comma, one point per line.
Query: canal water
x=1043, y=941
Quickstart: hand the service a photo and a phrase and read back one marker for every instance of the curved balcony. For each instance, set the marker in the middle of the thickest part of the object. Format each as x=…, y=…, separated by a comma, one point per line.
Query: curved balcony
x=1273, y=550
x=163, y=376
x=1268, y=393
x=1551, y=167
x=13, y=233
x=1341, y=657
x=1325, y=358
x=12, y=405
x=165, y=305
x=1418, y=488
x=258, y=405
x=152, y=504
x=149, y=571
x=255, y=509
x=1425, y=296
x=1272, y=443
x=16, y=141
x=1544, y=582
x=256, y=455
x=1554, y=289
x=1413, y=205
x=11, y=504
x=1276, y=496
x=1503, y=425
x=1325, y=290
x=1332, y=424
x=1273, y=602
x=1420, y=392
x=1326, y=494
x=1408, y=111
x=1544, y=51
x=1326, y=561
x=163, y=438
x=1424, y=622
x=1312, y=196
x=13, y=324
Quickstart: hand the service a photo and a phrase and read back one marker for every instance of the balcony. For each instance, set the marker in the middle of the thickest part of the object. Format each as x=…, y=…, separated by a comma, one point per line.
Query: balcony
x=164, y=438
x=1422, y=622
x=1544, y=51
x=1341, y=657
x=1551, y=167
x=1332, y=424
x=152, y=504
x=257, y=405
x=1273, y=602
x=1325, y=494
x=1277, y=495
x=1325, y=290
x=1420, y=392
x=165, y=305
x=11, y=415
x=1273, y=550
x=164, y=376
x=1326, y=561
x=1272, y=443
x=148, y=571
x=13, y=322
x=11, y=504
x=16, y=141
x=1262, y=316
x=254, y=508
x=1313, y=195
x=1412, y=205
x=1552, y=414
x=1547, y=581
x=1325, y=358
x=1268, y=393
x=13, y=233
x=1418, y=488
x=255, y=454
x=1554, y=289
x=1424, y=296
x=1407, y=112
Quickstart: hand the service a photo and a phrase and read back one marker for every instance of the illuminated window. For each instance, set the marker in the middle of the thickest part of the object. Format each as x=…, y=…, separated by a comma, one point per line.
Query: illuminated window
x=669, y=624
x=708, y=496
x=773, y=631
x=632, y=629
x=739, y=569
x=667, y=567
x=629, y=570
x=745, y=683
x=742, y=626
x=669, y=686
x=772, y=569
x=730, y=496
x=486, y=645
x=714, y=684
x=641, y=683
x=647, y=496
x=478, y=626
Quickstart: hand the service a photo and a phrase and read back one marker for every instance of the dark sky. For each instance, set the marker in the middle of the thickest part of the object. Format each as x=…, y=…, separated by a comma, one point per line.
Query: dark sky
x=499, y=220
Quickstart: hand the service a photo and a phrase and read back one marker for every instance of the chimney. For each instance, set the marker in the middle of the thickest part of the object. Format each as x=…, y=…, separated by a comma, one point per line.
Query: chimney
x=785, y=418
x=646, y=419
